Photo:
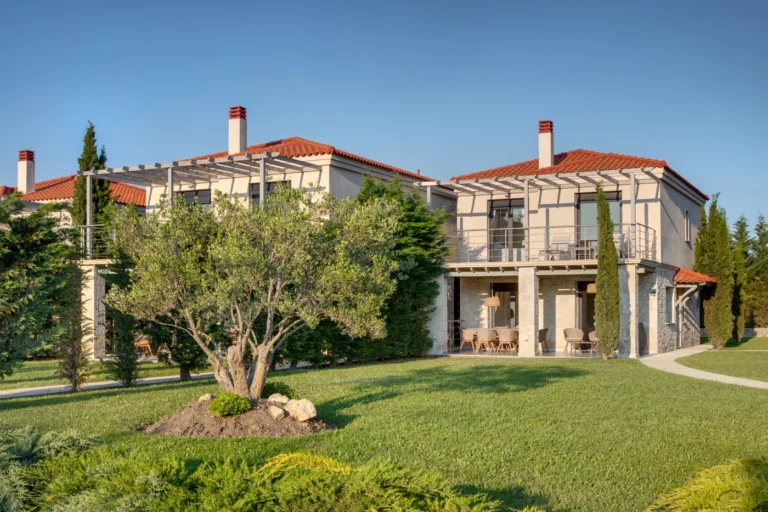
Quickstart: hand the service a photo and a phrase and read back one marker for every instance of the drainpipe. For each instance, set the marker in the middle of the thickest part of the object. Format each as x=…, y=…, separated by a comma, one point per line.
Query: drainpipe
x=678, y=308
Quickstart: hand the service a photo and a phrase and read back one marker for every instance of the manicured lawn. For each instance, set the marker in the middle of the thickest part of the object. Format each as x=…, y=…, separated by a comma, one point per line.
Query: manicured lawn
x=579, y=434
x=748, y=344
x=750, y=365
x=35, y=374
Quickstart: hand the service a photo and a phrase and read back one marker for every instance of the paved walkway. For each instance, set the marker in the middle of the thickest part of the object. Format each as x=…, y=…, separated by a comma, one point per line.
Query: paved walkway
x=668, y=362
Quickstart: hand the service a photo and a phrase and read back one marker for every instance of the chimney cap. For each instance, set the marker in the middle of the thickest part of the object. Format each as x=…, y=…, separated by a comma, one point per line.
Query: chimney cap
x=546, y=126
x=26, y=155
x=237, y=112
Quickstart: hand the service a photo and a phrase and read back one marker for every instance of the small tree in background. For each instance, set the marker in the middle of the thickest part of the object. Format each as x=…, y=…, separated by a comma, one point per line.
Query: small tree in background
x=73, y=353
x=35, y=270
x=124, y=364
x=298, y=260
x=607, y=300
x=180, y=347
x=90, y=159
x=714, y=258
x=739, y=254
x=757, y=288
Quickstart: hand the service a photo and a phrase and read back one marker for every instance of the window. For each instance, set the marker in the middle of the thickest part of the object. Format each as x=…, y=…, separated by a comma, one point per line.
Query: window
x=687, y=228
x=506, y=231
x=669, y=309
x=270, y=186
x=198, y=196
x=586, y=214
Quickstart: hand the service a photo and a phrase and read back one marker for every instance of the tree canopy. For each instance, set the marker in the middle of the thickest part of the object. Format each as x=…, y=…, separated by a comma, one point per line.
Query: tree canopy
x=301, y=258
x=90, y=159
x=607, y=300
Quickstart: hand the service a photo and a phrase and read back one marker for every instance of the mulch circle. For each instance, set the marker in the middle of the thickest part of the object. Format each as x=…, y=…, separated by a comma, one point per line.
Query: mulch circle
x=195, y=420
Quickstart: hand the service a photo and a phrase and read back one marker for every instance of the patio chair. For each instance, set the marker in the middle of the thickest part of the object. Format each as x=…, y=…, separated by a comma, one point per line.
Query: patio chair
x=485, y=338
x=543, y=339
x=468, y=338
x=561, y=246
x=507, y=338
x=142, y=345
x=573, y=337
x=593, y=339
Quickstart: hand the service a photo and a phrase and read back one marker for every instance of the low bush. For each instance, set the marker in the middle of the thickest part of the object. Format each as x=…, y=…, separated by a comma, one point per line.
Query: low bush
x=229, y=404
x=109, y=481
x=270, y=388
x=739, y=486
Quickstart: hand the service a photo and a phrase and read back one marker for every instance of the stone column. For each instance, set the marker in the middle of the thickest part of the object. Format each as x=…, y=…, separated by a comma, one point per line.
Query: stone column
x=528, y=321
x=628, y=288
x=438, y=320
x=94, y=314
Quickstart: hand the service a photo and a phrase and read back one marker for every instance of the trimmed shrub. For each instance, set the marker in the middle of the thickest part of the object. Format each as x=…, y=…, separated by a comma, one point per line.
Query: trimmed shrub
x=270, y=388
x=229, y=404
x=740, y=485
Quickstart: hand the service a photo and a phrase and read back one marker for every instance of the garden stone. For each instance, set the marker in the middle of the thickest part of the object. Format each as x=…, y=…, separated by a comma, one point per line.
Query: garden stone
x=276, y=412
x=302, y=410
x=205, y=398
x=278, y=398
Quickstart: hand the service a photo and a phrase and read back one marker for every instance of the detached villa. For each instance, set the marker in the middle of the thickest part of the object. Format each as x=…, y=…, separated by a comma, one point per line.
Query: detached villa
x=523, y=238
x=525, y=251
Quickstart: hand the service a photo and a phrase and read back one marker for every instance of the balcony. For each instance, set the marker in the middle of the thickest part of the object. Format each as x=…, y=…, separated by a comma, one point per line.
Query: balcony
x=94, y=242
x=547, y=244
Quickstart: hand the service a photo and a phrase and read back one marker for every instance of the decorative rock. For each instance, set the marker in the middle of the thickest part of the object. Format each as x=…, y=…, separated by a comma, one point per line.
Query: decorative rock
x=205, y=398
x=276, y=412
x=301, y=410
x=278, y=398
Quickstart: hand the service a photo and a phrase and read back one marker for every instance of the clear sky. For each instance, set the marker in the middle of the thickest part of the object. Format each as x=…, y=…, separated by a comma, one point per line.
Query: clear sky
x=447, y=87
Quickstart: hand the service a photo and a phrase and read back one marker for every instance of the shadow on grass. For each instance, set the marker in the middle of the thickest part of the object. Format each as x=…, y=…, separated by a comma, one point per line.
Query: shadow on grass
x=476, y=379
x=11, y=404
x=515, y=496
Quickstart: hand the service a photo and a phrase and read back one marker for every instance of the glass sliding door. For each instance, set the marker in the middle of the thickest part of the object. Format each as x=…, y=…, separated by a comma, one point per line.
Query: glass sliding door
x=506, y=235
x=505, y=315
x=586, y=221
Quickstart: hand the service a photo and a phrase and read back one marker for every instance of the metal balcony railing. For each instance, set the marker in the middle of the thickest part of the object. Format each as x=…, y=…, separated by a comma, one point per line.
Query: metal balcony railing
x=94, y=241
x=553, y=243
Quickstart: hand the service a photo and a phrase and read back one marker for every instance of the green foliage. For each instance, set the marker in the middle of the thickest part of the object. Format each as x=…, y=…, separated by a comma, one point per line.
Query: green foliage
x=116, y=481
x=229, y=404
x=90, y=159
x=739, y=486
x=177, y=345
x=714, y=258
x=272, y=387
x=607, y=300
x=123, y=366
x=302, y=258
x=27, y=446
x=73, y=354
x=757, y=271
x=739, y=299
x=35, y=270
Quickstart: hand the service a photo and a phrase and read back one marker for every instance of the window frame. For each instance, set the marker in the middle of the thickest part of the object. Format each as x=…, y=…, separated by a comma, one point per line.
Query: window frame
x=195, y=194
x=687, y=227
x=254, y=191
x=670, y=315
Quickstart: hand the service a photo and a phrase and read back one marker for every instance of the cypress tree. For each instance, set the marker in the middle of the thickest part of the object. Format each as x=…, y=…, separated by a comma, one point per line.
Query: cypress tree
x=714, y=258
x=607, y=300
x=740, y=247
x=757, y=289
x=73, y=354
x=90, y=158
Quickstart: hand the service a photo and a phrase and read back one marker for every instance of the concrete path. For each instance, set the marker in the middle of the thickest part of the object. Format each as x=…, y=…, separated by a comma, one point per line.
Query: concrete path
x=667, y=362
x=52, y=390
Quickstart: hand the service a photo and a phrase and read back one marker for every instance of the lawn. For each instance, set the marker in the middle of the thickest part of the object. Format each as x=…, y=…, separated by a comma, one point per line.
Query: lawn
x=581, y=434
x=34, y=374
x=733, y=360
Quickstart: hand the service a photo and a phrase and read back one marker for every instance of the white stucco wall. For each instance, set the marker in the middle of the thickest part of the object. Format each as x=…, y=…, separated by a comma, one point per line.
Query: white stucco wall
x=675, y=250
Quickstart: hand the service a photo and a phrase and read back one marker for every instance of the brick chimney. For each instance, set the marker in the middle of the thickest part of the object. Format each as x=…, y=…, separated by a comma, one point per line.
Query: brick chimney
x=238, y=130
x=546, y=144
x=26, y=171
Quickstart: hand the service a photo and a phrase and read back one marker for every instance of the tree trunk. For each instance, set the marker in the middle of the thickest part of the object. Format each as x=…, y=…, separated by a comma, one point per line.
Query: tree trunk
x=294, y=364
x=263, y=361
x=605, y=357
x=237, y=370
x=184, y=374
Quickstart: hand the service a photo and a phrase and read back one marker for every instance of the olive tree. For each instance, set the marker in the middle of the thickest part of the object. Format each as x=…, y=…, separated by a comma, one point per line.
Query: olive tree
x=302, y=258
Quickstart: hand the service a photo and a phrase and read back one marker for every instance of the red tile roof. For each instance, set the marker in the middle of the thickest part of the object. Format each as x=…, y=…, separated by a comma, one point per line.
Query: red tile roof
x=295, y=147
x=688, y=276
x=62, y=189
x=4, y=191
x=578, y=160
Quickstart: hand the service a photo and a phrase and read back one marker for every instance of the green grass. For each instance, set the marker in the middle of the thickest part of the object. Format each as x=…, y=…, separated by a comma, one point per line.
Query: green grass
x=749, y=365
x=569, y=435
x=748, y=344
x=34, y=374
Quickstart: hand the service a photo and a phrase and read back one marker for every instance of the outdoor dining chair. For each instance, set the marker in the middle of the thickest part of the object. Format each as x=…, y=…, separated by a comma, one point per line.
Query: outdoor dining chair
x=485, y=338
x=543, y=339
x=593, y=339
x=507, y=338
x=573, y=337
x=468, y=338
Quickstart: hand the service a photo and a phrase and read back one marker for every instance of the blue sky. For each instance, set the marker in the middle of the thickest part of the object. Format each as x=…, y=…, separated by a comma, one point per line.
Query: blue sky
x=447, y=87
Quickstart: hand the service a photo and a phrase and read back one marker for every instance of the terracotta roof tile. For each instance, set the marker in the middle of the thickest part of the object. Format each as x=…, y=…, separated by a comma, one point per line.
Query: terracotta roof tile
x=688, y=276
x=578, y=160
x=62, y=189
x=4, y=190
x=296, y=147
